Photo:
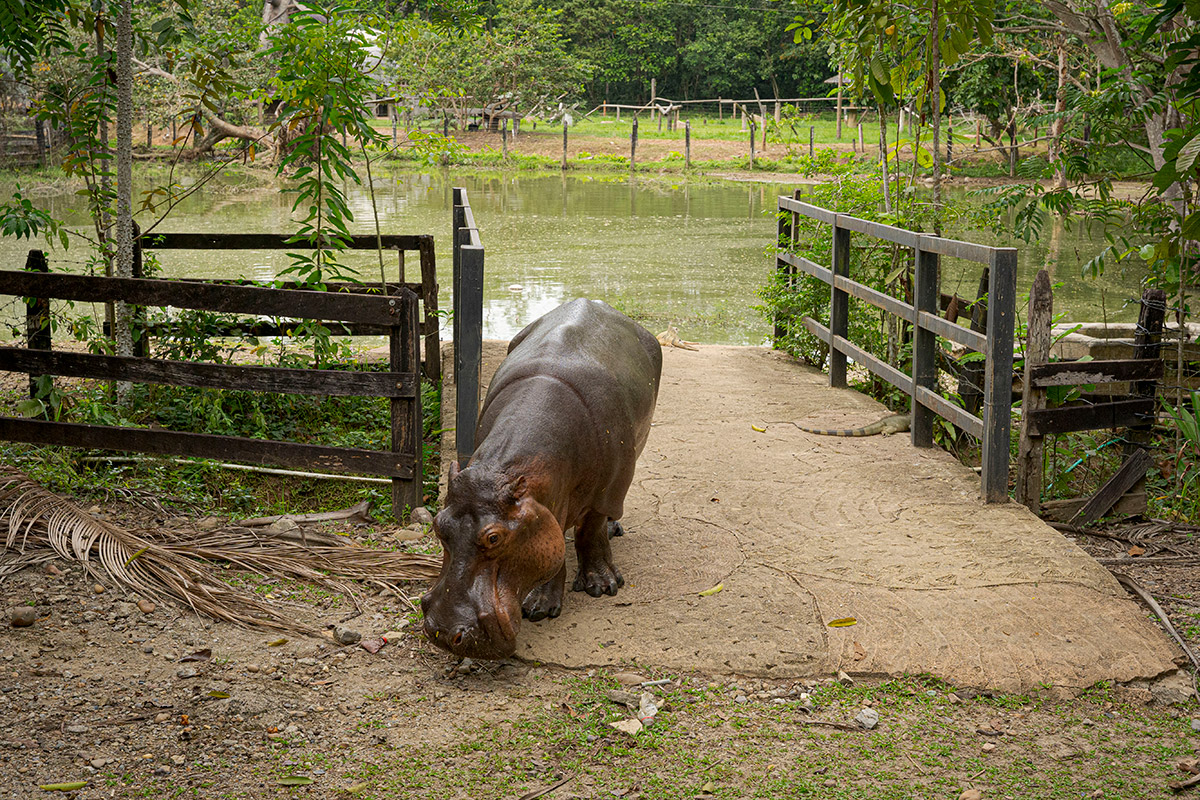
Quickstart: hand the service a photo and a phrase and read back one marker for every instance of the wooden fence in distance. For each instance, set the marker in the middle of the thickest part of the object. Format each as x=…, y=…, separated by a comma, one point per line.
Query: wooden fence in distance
x=396, y=315
x=996, y=344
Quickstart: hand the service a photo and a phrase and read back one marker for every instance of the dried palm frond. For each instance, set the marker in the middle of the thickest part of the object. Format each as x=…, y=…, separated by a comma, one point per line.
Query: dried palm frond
x=164, y=565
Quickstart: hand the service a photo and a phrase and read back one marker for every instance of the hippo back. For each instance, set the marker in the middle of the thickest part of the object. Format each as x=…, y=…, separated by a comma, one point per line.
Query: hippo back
x=579, y=384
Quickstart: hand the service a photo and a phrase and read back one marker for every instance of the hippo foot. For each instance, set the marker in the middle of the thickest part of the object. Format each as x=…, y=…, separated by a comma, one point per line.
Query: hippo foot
x=615, y=529
x=598, y=579
x=543, y=603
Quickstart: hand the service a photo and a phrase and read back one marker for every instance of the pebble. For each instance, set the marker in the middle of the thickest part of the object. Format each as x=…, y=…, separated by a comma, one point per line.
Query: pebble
x=23, y=616
x=971, y=794
x=844, y=679
x=629, y=678
x=741, y=699
x=868, y=718
x=988, y=747
x=77, y=729
x=162, y=716
x=98, y=589
x=145, y=606
x=345, y=636
x=421, y=514
x=178, y=761
x=162, y=769
x=252, y=668
x=53, y=570
x=186, y=672
x=1196, y=724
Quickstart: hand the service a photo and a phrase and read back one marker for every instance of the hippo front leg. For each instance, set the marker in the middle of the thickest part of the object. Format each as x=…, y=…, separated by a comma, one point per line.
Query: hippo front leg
x=597, y=575
x=546, y=600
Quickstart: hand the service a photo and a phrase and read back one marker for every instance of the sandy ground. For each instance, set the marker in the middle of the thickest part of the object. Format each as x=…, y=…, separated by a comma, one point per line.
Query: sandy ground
x=802, y=530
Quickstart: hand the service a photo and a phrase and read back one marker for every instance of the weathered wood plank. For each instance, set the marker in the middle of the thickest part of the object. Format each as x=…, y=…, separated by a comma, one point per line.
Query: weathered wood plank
x=1132, y=471
x=810, y=267
x=268, y=241
x=839, y=306
x=250, y=327
x=199, y=445
x=969, y=251
x=924, y=363
x=970, y=423
x=37, y=316
x=1131, y=503
x=955, y=333
x=1065, y=419
x=428, y=292
x=213, y=376
x=839, y=344
x=997, y=382
x=404, y=347
x=876, y=298
x=807, y=209
x=188, y=294
x=1030, y=474
x=879, y=230
x=1080, y=373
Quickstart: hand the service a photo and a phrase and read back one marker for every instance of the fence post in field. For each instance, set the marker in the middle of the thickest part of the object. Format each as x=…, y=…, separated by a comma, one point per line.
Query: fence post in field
x=1028, y=490
x=633, y=145
x=504, y=137
x=839, y=306
x=564, y=158
x=37, y=315
x=687, y=145
x=997, y=385
x=924, y=366
x=404, y=346
x=862, y=147
x=751, y=142
x=433, y=347
x=811, y=131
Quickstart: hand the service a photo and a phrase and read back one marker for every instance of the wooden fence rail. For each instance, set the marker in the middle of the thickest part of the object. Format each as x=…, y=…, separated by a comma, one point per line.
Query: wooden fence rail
x=397, y=314
x=994, y=425
x=468, y=324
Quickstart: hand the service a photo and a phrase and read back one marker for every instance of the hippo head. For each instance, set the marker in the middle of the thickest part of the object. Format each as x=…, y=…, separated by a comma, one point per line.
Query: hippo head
x=499, y=543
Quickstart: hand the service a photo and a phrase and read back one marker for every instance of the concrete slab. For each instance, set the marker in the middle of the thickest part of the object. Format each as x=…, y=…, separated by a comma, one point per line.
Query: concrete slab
x=804, y=529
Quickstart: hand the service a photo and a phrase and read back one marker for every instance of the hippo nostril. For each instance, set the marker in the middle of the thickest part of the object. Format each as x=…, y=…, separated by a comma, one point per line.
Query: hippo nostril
x=457, y=640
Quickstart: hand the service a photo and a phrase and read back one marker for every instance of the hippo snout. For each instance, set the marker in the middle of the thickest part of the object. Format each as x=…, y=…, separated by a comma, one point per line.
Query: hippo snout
x=466, y=634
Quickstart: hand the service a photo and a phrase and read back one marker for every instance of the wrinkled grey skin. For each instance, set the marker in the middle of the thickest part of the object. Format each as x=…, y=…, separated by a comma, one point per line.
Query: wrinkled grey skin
x=565, y=419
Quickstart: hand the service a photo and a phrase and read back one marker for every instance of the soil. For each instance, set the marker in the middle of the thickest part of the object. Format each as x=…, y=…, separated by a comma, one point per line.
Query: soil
x=99, y=690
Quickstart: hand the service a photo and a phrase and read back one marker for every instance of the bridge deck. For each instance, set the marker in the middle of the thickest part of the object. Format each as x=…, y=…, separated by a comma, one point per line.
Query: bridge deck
x=803, y=529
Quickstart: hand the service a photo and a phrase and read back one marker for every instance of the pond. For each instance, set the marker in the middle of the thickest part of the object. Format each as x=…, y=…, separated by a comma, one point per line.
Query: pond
x=664, y=251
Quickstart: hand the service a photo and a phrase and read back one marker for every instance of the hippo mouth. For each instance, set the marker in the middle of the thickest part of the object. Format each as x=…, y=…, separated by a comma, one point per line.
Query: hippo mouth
x=493, y=636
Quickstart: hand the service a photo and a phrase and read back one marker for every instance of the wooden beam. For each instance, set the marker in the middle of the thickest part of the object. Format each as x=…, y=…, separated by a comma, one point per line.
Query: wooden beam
x=1030, y=477
x=269, y=241
x=1132, y=471
x=212, y=376
x=1081, y=373
x=1090, y=417
x=200, y=445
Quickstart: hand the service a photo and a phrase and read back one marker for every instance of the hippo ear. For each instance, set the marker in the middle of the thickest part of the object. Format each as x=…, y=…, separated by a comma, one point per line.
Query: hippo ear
x=515, y=489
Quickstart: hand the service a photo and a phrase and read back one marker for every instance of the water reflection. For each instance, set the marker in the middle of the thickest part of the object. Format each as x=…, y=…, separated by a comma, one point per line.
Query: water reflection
x=662, y=251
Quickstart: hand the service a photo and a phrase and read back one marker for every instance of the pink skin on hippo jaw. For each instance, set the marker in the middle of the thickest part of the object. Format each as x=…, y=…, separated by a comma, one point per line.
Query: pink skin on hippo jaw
x=499, y=544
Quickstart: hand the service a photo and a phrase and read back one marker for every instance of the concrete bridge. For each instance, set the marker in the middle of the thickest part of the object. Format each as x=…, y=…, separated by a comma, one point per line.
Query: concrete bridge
x=802, y=529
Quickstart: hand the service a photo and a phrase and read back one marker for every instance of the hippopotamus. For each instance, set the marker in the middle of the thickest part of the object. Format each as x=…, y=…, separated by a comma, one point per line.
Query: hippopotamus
x=565, y=418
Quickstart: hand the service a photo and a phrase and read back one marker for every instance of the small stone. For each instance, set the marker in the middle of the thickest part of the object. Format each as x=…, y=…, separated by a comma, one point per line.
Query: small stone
x=162, y=716
x=162, y=769
x=421, y=514
x=178, y=761
x=971, y=794
x=393, y=636
x=208, y=523
x=954, y=699
x=186, y=672
x=23, y=616
x=844, y=679
x=868, y=718
x=122, y=610
x=345, y=636
x=630, y=726
x=308, y=661
x=741, y=699
x=283, y=525
x=1196, y=724
x=77, y=729
x=53, y=570
x=145, y=606
x=252, y=668
x=830, y=782
x=988, y=747
x=100, y=763
x=629, y=678
x=98, y=589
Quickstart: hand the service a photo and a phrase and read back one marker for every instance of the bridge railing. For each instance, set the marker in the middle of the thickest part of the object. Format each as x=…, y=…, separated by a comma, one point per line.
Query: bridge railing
x=468, y=324
x=996, y=344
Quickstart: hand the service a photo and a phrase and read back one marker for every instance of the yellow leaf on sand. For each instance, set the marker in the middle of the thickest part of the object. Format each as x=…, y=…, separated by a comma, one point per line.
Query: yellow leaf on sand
x=713, y=590
x=756, y=428
x=844, y=622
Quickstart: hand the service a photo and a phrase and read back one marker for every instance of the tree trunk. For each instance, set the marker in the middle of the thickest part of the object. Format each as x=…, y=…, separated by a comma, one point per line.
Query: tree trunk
x=1056, y=127
x=124, y=265
x=887, y=196
x=936, y=90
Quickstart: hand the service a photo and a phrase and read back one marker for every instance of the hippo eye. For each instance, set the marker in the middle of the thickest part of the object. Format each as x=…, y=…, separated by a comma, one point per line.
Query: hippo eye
x=493, y=538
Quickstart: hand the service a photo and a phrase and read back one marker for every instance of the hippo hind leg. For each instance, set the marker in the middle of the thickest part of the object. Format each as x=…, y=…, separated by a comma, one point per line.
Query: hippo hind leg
x=597, y=574
x=546, y=600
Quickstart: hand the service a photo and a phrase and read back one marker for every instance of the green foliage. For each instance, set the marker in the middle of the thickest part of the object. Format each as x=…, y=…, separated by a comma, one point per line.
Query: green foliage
x=435, y=150
x=20, y=218
x=1187, y=458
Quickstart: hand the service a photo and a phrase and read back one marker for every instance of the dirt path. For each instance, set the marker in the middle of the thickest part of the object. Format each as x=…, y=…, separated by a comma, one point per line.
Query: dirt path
x=804, y=529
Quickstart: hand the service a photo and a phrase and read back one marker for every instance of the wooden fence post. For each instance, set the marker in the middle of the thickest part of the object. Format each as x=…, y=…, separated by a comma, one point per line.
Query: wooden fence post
x=839, y=305
x=1030, y=476
x=504, y=137
x=404, y=345
x=784, y=234
x=687, y=145
x=429, y=299
x=564, y=158
x=811, y=130
x=751, y=142
x=1147, y=344
x=137, y=314
x=633, y=145
x=997, y=386
x=37, y=316
x=924, y=366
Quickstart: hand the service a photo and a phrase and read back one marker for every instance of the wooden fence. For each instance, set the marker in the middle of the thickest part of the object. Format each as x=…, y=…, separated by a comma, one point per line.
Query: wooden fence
x=1134, y=411
x=353, y=310
x=993, y=427
x=468, y=324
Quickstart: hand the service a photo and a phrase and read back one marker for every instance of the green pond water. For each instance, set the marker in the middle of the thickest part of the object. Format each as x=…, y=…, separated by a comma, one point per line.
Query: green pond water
x=691, y=254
